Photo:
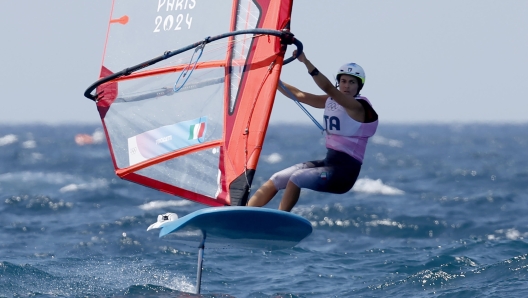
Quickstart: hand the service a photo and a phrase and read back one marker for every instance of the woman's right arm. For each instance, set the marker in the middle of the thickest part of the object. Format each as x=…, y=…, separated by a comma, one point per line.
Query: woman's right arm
x=316, y=101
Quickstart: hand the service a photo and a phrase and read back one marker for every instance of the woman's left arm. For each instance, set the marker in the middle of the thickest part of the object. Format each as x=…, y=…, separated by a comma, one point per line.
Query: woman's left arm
x=324, y=83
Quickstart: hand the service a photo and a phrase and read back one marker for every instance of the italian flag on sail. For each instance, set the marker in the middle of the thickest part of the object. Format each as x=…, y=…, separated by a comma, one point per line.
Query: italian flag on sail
x=196, y=131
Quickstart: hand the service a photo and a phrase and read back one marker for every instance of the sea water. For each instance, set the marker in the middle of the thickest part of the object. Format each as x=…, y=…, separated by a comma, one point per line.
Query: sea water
x=438, y=210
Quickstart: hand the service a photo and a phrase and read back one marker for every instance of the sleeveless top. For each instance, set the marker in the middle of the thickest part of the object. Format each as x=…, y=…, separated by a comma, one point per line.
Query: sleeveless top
x=345, y=134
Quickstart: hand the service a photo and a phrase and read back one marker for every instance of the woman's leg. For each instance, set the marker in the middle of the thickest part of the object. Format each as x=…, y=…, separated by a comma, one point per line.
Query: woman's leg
x=263, y=195
x=290, y=197
x=277, y=182
x=305, y=177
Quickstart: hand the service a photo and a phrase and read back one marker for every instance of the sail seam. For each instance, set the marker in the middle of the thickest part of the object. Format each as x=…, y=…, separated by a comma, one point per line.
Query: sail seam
x=246, y=132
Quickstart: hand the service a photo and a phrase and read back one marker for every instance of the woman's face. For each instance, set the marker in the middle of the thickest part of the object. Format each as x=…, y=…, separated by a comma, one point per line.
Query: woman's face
x=348, y=84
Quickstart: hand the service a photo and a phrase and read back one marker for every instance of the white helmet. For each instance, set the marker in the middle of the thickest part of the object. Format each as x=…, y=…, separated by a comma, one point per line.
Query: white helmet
x=352, y=69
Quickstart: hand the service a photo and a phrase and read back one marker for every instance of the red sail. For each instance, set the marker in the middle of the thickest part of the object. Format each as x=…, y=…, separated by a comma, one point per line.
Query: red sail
x=192, y=125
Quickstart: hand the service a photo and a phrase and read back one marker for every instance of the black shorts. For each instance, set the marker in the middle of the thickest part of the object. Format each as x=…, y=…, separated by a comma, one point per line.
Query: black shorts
x=337, y=173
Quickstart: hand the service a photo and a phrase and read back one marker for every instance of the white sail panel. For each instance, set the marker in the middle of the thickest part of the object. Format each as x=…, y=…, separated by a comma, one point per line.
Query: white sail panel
x=155, y=26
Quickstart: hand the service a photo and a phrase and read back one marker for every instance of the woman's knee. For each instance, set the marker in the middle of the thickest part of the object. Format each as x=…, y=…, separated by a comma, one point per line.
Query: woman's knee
x=280, y=179
x=297, y=178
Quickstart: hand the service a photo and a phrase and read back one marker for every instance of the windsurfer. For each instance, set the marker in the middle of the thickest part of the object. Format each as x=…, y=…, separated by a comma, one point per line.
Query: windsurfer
x=349, y=121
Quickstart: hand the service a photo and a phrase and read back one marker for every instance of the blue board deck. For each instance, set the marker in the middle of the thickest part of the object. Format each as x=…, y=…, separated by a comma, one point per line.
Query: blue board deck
x=244, y=227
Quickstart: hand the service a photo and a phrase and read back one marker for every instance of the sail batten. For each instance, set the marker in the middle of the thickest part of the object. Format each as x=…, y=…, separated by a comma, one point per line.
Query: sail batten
x=141, y=165
x=192, y=121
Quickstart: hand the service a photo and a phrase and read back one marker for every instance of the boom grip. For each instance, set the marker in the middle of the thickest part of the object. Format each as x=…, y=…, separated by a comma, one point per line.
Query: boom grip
x=299, y=46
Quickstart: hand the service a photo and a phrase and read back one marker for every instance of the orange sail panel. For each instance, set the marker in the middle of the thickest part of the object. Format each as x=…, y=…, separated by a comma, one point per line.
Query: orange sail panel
x=191, y=125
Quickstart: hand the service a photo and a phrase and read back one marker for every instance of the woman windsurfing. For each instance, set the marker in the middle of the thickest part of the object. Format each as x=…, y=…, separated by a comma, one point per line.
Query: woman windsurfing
x=349, y=121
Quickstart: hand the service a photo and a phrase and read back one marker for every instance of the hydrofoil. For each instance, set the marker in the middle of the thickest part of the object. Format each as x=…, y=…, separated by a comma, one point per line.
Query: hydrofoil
x=234, y=227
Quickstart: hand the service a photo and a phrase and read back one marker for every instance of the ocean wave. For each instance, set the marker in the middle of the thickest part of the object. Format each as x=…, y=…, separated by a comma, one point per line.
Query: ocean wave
x=164, y=204
x=8, y=139
x=455, y=276
x=272, y=158
x=385, y=141
x=93, y=185
x=93, y=278
x=29, y=176
x=370, y=186
x=510, y=234
x=458, y=230
x=29, y=144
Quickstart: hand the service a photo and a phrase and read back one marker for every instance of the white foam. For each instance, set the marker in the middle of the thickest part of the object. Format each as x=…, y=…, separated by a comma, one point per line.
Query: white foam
x=367, y=185
x=98, y=136
x=8, y=139
x=93, y=185
x=97, y=273
x=272, y=158
x=384, y=141
x=37, y=156
x=385, y=222
x=164, y=204
x=29, y=144
x=69, y=187
x=511, y=234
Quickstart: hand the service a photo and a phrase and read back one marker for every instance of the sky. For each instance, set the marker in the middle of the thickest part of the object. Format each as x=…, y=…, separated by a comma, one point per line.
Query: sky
x=425, y=61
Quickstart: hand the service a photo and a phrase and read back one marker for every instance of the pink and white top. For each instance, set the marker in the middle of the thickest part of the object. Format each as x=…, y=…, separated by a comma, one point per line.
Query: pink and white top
x=344, y=133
